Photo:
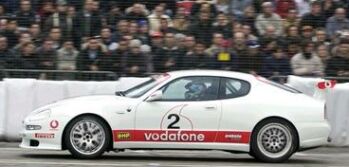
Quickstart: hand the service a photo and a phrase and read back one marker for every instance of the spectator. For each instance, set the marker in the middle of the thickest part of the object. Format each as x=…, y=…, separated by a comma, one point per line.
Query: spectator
x=189, y=45
x=198, y=59
x=237, y=7
x=137, y=12
x=135, y=64
x=239, y=44
x=202, y=29
x=252, y=61
x=337, y=66
x=166, y=59
x=11, y=32
x=307, y=33
x=114, y=15
x=225, y=58
x=122, y=30
x=283, y=7
x=106, y=39
x=116, y=62
x=165, y=27
x=269, y=18
x=60, y=19
x=55, y=35
x=45, y=10
x=5, y=54
x=307, y=63
x=66, y=56
x=3, y=12
x=249, y=17
x=181, y=24
x=323, y=52
x=292, y=48
x=206, y=6
x=143, y=32
x=35, y=32
x=329, y=7
x=156, y=41
x=156, y=17
x=277, y=64
x=24, y=37
x=291, y=19
x=292, y=34
x=303, y=7
x=270, y=35
x=223, y=6
x=337, y=23
x=222, y=26
x=47, y=55
x=216, y=45
x=246, y=29
x=91, y=57
x=26, y=57
x=315, y=18
x=88, y=22
x=320, y=37
x=25, y=16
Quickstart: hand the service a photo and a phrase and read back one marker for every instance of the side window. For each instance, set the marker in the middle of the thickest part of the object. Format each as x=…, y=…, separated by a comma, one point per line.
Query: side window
x=191, y=89
x=232, y=88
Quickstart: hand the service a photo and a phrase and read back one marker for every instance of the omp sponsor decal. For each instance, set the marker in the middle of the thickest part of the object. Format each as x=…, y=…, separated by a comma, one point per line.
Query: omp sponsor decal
x=123, y=136
x=44, y=135
x=184, y=136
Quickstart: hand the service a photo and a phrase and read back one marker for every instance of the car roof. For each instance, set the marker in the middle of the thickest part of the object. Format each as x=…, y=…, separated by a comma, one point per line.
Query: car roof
x=218, y=73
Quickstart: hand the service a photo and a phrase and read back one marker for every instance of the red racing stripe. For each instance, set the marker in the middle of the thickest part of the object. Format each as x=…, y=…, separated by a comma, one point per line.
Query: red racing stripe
x=181, y=136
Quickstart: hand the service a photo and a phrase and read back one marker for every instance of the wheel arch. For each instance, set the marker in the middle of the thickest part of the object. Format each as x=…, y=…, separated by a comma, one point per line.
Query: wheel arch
x=280, y=118
x=110, y=147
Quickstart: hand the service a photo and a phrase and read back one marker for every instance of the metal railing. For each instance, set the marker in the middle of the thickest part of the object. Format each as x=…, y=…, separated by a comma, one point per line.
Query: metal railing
x=59, y=74
x=283, y=79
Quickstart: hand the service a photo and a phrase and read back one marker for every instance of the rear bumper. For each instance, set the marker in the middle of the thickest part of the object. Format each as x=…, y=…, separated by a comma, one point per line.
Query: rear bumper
x=313, y=135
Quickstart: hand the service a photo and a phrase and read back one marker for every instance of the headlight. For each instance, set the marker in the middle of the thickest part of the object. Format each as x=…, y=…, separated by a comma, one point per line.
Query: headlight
x=41, y=115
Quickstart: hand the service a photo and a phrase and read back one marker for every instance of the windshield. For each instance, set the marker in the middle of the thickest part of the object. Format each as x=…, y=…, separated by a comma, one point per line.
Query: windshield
x=278, y=85
x=144, y=87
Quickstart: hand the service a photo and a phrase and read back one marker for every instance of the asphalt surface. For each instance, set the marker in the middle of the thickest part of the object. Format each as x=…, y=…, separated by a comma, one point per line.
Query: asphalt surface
x=12, y=156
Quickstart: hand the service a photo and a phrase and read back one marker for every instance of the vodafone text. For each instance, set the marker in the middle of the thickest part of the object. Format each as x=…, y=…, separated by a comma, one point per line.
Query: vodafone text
x=174, y=136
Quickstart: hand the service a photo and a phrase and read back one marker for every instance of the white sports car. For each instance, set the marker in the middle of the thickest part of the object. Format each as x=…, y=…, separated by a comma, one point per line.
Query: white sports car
x=189, y=110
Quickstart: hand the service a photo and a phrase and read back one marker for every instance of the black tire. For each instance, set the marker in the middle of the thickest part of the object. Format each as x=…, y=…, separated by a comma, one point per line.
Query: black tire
x=73, y=147
x=273, y=149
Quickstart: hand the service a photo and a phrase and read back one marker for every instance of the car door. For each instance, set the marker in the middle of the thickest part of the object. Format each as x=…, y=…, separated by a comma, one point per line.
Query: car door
x=188, y=112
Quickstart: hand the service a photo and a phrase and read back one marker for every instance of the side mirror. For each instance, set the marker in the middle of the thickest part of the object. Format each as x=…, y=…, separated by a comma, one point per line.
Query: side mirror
x=155, y=96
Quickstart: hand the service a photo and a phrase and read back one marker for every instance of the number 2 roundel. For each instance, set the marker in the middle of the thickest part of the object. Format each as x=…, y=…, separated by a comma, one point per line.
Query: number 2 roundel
x=175, y=119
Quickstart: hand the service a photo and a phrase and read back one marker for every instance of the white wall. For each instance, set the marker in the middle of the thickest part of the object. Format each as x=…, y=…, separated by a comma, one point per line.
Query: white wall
x=2, y=110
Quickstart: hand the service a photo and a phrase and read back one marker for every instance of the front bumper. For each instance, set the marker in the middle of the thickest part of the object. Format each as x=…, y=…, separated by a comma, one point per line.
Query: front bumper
x=49, y=137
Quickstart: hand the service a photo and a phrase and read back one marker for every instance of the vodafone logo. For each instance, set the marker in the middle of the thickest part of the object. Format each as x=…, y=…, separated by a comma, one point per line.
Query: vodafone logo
x=174, y=136
x=54, y=124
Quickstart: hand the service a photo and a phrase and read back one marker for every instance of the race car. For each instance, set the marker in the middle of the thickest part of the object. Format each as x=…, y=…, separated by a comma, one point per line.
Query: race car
x=184, y=110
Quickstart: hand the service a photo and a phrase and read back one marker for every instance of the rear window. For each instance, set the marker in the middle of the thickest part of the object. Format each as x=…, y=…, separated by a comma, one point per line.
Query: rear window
x=278, y=85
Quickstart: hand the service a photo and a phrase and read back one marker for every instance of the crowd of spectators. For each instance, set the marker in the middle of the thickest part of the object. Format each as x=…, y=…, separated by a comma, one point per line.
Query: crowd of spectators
x=133, y=37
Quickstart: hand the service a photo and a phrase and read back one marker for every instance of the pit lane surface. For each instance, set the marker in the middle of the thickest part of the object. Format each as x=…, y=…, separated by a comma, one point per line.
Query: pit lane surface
x=12, y=156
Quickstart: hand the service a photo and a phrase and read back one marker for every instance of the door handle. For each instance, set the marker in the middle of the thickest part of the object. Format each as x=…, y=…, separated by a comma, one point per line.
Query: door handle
x=210, y=108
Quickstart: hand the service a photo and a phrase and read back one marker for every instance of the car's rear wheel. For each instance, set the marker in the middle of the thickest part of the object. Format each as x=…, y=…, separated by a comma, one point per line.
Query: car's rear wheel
x=87, y=137
x=273, y=140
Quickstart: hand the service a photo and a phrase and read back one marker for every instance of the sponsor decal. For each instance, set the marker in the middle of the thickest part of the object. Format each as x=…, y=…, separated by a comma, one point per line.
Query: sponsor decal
x=174, y=136
x=123, y=136
x=54, y=124
x=184, y=136
x=44, y=135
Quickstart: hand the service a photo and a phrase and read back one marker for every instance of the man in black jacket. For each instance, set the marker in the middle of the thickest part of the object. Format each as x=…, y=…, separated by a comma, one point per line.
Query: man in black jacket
x=166, y=58
x=338, y=65
x=315, y=18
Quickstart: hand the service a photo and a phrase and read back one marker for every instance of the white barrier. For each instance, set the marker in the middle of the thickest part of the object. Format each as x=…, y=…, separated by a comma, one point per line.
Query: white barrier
x=24, y=95
x=336, y=99
x=2, y=111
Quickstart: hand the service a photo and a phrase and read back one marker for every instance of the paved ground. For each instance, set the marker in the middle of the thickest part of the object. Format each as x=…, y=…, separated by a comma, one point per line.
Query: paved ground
x=12, y=156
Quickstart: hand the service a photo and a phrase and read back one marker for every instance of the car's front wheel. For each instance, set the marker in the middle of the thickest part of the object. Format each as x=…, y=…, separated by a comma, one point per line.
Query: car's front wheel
x=87, y=137
x=273, y=140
